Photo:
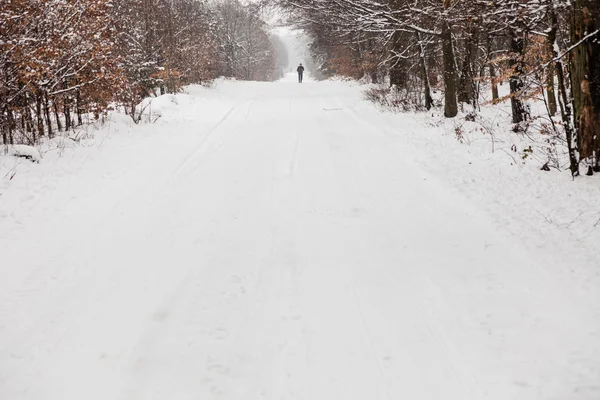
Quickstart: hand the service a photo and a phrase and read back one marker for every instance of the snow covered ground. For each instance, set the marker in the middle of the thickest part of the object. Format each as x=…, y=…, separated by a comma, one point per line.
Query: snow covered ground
x=287, y=241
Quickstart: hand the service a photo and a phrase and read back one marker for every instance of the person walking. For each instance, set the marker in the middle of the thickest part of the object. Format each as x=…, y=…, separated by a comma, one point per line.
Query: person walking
x=300, y=70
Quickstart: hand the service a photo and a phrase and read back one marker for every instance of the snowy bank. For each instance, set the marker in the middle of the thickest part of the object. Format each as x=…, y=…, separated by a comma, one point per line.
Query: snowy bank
x=21, y=150
x=481, y=155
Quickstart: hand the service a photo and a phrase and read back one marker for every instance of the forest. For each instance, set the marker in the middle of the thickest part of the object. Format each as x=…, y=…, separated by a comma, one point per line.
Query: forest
x=187, y=214
x=548, y=50
x=66, y=59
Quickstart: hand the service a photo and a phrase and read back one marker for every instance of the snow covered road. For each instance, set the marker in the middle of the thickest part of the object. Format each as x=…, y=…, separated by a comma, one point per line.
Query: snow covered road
x=289, y=249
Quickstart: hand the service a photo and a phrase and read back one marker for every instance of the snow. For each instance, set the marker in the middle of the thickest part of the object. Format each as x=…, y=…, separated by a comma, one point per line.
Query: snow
x=153, y=108
x=285, y=240
x=21, y=150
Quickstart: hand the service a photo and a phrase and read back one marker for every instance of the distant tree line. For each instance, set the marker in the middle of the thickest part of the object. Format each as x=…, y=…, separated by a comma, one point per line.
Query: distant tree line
x=548, y=48
x=66, y=60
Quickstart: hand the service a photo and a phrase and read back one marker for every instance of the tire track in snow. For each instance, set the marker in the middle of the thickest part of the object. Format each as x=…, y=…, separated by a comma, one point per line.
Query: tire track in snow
x=348, y=274
x=207, y=302
x=342, y=146
x=58, y=281
x=42, y=279
x=203, y=145
x=351, y=274
x=289, y=167
x=175, y=172
x=367, y=334
x=463, y=375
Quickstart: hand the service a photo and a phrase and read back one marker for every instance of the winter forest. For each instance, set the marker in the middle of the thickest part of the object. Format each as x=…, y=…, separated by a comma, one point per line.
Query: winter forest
x=546, y=49
x=299, y=199
x=62, y=59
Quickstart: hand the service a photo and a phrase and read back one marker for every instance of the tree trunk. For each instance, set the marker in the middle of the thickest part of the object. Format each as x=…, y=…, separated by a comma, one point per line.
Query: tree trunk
x=564, y=103
x=47, y=115
x=4, y=127
x=38, y=116
x=492, y=68
x=519, y=111
x=56, y=114
x=11, y=125
x=550, y=73
x=78, y=108
x=466, y=91
x=4, y=104
x=67, y=112
x=27, y=112
x=373, y=75
x=450, y=103
x=566, y=115
x=550, y=94
x=585, y=79
x=495, y=95
x=425, y=75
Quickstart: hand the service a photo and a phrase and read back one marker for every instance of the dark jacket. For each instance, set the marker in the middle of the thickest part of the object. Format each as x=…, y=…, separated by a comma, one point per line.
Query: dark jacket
x=300, y=69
